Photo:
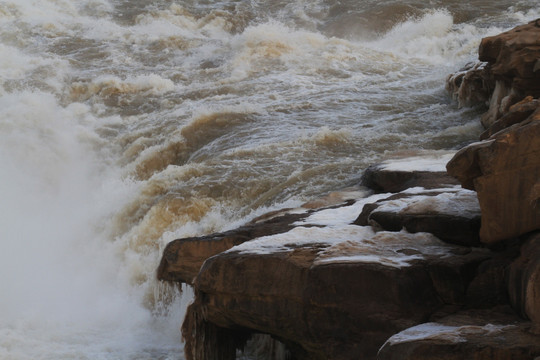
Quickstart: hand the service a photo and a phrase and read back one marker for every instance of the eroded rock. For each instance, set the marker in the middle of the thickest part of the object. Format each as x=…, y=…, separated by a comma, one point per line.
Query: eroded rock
x=182, y=258
x=508, y=72
x=451, y=214
x=400, y=174
x=505, y=172
x=354, y=286
x=524, y=281
x=483, y=335
x=472, y=85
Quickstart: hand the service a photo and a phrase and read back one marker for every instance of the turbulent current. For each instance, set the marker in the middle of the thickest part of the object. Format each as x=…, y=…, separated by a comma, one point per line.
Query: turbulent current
x=125, y=124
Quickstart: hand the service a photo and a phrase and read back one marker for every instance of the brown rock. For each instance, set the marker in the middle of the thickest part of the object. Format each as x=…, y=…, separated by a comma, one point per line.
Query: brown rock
x=509, y=71
x=513, y=55
x=452, y=216
x=524, y=281
x=379, y=179
x=515, y=114
x=481, y=335
x=472, y=85
x=504, y=171
x=183, y=258
x=327, y=299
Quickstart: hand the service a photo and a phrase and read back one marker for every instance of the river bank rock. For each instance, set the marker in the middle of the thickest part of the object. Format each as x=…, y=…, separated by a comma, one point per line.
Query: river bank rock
x=482, y=335
x=451, y=214
x=428, y=172
x=327, y=288
x=182, y=258
x=505, y=172
x=504, y=167
x=330, y=292
x=508, y=72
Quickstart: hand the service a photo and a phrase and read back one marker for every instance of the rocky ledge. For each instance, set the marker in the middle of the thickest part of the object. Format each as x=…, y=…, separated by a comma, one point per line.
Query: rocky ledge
x=410, y=264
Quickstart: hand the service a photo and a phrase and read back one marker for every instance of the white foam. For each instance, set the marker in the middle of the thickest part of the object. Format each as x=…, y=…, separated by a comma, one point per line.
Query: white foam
x=434, y=38
x=68, y=289
x=433, y=163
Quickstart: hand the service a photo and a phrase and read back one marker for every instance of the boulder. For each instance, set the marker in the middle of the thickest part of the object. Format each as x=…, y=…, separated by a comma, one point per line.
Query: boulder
x=513, y=63
x=182, y=258
x=472, y=85
x=513, y=56
x=508, y=71
x=505, y=172
x=417, y=171
x=453, y=215
x=332, y=292
x=495, y=334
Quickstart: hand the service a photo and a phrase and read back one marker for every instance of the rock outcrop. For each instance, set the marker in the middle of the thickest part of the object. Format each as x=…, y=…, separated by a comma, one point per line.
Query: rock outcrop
x=504, y=169
x=182, y=259
x=505, y=172
x=331, y=293
x=453, y=215
x=480, y=335
x=326, y=288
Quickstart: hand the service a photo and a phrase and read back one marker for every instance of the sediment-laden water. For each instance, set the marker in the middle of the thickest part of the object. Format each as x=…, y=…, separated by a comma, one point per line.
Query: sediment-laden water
x=125, y=124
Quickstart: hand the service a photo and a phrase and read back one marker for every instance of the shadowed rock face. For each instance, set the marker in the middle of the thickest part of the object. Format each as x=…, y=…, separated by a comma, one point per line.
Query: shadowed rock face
x=524, y=281
x=497, y=334
x=513, y=63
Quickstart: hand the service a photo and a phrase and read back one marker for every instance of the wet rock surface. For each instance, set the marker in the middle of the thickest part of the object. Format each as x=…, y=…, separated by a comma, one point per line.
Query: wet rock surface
x=453, y=215
x=483, y=335
x=339, y=293
x=182, y=258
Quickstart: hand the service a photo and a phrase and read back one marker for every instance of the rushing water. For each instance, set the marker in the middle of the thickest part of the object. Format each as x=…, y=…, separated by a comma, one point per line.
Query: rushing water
x=127, y=123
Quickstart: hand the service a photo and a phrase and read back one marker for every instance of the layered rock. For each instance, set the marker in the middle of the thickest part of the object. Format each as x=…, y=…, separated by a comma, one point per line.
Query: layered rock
x=453, y=215
x=330, y=292
x=182, y=258
x=504, y=169
x=513, y=59
x=427, y=172
x=481, y=335
x=508, y=71
x=505, y=172
x=326, y=288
